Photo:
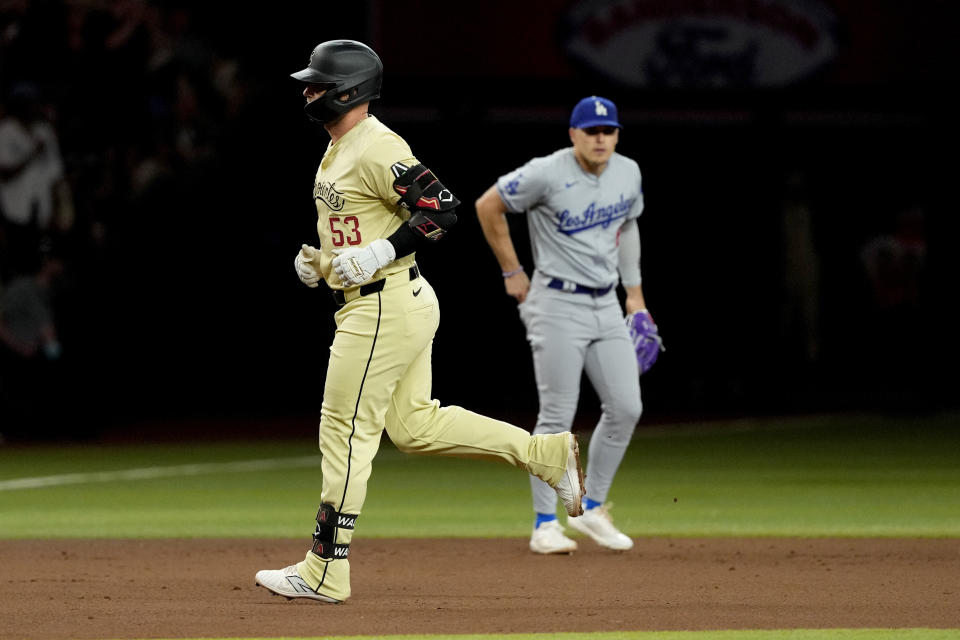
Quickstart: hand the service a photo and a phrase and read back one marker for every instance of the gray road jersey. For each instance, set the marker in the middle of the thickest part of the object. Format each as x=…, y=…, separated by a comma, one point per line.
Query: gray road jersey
x=574, y=216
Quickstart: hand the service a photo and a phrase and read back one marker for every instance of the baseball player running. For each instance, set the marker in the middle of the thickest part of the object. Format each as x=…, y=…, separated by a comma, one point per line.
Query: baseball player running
x=376, y=205
x=582, y=203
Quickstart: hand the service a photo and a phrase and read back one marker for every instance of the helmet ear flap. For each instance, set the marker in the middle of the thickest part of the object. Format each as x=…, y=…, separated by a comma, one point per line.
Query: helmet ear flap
x=325, y=109
x=330, y=106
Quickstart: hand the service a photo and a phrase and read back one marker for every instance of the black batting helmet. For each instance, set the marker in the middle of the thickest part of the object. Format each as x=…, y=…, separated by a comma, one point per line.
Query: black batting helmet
x=340, y=67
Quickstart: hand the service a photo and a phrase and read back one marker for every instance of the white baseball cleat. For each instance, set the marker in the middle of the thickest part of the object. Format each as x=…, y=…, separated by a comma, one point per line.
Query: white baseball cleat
x=570, y=488
x=288, y=583
x=549, y=538
x=598, y=524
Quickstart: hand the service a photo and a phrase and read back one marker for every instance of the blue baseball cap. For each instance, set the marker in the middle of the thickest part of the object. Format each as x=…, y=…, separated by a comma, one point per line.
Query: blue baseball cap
x=594, y=112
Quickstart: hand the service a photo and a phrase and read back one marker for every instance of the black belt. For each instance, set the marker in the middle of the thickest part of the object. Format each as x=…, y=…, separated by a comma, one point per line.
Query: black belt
x=572, y=287
x=371, y=287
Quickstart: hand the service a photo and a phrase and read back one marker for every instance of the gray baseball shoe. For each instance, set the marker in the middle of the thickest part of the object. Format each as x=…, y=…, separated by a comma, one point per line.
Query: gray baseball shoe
x=288, y=583
x=570, y=488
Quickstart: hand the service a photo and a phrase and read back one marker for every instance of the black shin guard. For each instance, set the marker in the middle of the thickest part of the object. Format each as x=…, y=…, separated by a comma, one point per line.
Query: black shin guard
x=324, y=538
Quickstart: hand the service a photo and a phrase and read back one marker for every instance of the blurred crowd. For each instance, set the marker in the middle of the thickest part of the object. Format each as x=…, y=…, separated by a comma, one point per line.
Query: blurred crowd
x=113, y=99
x=108, y=110
x=131, y=133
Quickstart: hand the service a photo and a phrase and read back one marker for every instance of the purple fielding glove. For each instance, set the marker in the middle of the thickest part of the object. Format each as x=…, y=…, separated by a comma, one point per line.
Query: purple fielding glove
x=646, y=339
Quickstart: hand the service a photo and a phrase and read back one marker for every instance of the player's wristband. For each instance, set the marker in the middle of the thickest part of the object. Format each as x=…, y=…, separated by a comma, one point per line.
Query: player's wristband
x=508, y=274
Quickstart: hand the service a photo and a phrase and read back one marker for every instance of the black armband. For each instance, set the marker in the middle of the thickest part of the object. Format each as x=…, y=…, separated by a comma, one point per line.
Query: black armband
x=410, y=235
x=419, y=189
x=431, y=205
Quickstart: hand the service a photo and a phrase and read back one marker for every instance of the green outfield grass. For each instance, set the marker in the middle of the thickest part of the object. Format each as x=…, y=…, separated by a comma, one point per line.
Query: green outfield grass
x=820, y=476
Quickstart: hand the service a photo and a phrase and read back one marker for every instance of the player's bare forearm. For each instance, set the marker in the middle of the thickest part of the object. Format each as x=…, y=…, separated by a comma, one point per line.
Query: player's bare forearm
x=634, y=299
x=491, y=214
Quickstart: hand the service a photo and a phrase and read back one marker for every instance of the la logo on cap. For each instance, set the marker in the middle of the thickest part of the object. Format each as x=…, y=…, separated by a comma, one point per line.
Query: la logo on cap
x=601, y=110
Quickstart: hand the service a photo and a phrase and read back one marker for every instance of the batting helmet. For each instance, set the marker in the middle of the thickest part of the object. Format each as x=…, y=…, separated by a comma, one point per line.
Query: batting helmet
x=341, y=67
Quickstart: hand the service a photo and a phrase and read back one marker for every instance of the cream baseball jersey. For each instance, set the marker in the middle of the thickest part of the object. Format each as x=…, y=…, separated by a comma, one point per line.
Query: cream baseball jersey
x=354, y=195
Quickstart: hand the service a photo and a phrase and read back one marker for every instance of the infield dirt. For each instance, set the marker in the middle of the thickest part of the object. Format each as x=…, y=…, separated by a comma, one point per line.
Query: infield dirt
x=82, y=589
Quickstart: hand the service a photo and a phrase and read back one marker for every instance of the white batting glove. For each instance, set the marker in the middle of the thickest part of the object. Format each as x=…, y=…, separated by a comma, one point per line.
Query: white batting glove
x=356, y=266
x=303, y=263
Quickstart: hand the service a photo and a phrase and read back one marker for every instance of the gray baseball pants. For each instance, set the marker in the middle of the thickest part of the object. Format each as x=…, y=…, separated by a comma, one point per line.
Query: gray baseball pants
x=570, y=333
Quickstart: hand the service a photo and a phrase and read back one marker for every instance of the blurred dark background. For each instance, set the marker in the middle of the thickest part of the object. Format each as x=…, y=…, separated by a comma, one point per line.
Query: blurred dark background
x=798, y=248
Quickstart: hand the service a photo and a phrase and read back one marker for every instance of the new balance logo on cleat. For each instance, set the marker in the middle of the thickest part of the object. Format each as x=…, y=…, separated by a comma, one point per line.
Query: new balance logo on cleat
x=298, y=585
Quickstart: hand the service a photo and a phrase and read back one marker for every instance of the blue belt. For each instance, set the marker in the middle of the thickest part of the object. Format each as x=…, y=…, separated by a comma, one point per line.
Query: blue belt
x=572, y=287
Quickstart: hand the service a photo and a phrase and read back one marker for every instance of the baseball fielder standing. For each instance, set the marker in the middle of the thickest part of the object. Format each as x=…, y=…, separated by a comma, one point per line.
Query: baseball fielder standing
x=582, y=203
x=376, y=205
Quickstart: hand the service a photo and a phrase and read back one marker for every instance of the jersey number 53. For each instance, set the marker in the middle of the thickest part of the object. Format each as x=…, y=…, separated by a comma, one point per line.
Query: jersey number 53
x=349, y=234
